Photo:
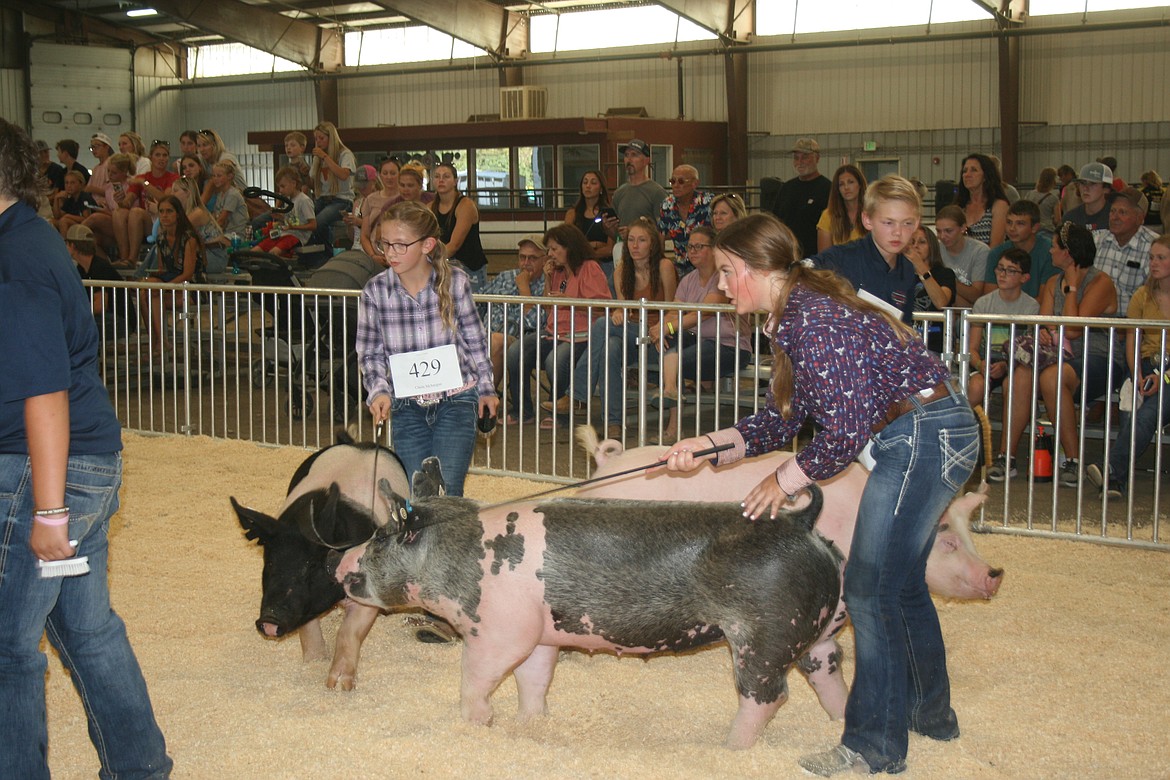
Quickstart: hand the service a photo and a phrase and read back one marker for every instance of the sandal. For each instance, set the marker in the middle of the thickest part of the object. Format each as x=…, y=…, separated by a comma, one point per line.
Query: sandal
x=547, y=424
x=515, y=421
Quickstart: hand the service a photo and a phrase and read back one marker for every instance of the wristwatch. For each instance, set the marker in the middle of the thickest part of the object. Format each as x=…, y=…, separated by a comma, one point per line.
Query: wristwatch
x=1069, y=289
x=925, y=276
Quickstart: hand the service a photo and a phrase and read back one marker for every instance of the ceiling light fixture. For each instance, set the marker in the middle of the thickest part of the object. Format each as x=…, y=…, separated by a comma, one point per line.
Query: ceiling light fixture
x=142, y=12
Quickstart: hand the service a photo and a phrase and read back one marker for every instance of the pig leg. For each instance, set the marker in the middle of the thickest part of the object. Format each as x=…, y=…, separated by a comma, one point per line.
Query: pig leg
x=822, y=668
x=751, y=718
x=354, y=627
x=532, y=680
x=485, y=664
x=312, y=641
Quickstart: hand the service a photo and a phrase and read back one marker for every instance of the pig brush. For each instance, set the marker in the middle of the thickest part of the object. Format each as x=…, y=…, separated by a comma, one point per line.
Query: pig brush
x=66, y=567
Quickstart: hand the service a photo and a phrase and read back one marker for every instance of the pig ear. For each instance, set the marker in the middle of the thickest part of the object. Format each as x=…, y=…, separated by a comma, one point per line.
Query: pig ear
x=324, y=520
x=429, y=482
x=258, y=527
x=404, y=517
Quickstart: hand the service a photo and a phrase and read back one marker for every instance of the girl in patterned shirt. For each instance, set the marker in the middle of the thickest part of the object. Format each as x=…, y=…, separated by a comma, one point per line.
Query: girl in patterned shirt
x=858, y=373
x=422, y=348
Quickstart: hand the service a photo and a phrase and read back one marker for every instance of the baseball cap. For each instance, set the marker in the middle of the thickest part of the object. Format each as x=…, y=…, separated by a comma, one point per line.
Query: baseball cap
x=365, y=173
x=806, y=145
x=535, y=239
x=42, y=146
x=105, y=139
x=79, y=233
x=1098, y=172
x=1135, y=198
x=639, y=146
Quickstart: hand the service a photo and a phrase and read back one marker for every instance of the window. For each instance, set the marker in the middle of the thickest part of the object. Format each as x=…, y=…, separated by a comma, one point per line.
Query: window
x=493, y=177
x=232, y=59
x=612, y=27
x=535, y=177
x=576, y=160
x=1046, y=7
x=784, y=17
x=414, y=43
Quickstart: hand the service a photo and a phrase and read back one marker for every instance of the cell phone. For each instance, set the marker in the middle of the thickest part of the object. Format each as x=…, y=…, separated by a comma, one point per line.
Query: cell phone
x=1149, y=383
x=605, y=212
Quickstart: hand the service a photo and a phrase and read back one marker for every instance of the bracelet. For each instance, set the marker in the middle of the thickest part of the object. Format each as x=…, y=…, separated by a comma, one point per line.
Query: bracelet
x=670, y=327
x=53, y=521
x=61, y=510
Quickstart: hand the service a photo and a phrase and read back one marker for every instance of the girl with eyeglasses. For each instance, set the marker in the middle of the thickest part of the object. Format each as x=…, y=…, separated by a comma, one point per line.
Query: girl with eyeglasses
x=422, y=347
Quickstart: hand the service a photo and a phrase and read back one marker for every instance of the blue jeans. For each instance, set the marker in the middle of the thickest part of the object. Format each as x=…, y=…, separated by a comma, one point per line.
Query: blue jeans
x=611, y=348
x=328, y=209
x=1139, y=428
x=524, y=356
x=923, y=458
x=705, y=359
x=76, y=615
x=445, y=430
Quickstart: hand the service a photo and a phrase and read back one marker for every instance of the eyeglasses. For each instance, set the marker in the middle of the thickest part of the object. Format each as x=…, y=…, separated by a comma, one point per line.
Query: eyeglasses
x=207, y=132
x=160, y=142
x=679, y=180
x=1007, y=271
x=387, y=248
x=527, y=258
x=692, y=245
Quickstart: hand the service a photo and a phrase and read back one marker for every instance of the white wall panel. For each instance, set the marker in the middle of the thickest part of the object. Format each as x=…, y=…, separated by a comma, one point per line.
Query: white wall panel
x=425, y=98
x=878, y=88
x=574, y=89
x=233, y=111
x=13, y=103
x=1096, y=77
x=159, y=113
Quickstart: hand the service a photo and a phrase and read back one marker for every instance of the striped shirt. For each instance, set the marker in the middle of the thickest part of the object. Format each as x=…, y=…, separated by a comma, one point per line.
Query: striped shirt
x=390, y=322
x=849, y=367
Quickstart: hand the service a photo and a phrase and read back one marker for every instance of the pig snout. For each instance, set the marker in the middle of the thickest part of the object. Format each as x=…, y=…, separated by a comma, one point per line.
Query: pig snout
x=992, y=582
x=267, y=627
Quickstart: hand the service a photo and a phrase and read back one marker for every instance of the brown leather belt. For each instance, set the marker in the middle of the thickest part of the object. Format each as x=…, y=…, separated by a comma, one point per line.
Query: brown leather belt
x=899, y=408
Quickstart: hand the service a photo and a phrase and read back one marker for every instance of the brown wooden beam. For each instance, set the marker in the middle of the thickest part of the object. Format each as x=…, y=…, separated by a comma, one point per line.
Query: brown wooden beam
x=731, y=20
x=310, y=46
x=735, y=67
x=1009, y=105
x=494, y=29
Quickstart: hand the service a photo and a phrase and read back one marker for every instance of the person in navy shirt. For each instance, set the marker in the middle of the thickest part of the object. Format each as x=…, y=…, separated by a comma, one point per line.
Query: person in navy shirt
x=875, y=263
x=858, y=372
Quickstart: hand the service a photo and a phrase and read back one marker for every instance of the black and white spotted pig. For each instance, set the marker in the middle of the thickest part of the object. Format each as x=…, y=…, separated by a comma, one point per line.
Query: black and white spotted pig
x=518, y=581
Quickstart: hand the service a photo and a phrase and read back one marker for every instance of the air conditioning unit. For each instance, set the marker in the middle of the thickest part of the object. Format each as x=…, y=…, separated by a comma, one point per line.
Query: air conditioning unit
x=523, y=102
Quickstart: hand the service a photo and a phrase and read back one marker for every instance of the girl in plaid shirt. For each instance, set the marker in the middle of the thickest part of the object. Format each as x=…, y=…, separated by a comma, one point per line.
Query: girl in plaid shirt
x=422, y=347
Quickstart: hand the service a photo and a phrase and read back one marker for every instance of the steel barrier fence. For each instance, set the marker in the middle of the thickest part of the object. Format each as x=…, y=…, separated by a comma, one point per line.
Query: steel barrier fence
x=277, y=365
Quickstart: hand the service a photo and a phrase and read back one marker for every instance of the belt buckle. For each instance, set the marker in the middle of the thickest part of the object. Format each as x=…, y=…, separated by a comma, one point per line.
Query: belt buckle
x=427, y=402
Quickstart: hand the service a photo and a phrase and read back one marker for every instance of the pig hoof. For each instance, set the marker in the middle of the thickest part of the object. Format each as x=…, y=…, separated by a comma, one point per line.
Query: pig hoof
x=433, y=631
x=343, y=680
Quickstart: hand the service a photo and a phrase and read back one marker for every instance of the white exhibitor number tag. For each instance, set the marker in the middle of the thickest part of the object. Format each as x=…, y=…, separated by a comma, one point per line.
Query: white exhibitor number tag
x=434, y=370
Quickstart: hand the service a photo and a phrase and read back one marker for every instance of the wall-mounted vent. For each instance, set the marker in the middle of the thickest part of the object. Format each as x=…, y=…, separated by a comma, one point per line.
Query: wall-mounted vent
x=523, y=102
